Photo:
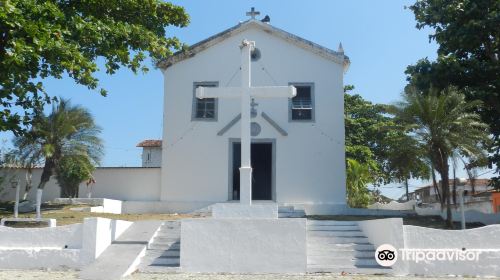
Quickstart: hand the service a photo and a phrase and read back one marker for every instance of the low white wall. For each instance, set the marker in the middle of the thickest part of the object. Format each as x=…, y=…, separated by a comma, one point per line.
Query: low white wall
x=484, y=238
x=484, y=206
x=386, y=231
x=394, y=205
x=48, y=237
x=244, y=245
x=120, y=183
x=470, y=215
x=98, y=233
x=101, y=205
x=141, y=207
x=407, y=238
x=72, y=246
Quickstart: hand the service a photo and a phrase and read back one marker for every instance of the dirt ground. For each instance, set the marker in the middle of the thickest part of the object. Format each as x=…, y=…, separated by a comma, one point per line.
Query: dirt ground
x=64, y=216
x=59, y=275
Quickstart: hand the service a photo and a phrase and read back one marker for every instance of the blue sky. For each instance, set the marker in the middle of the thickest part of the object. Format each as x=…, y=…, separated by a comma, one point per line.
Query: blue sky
x=379, y=37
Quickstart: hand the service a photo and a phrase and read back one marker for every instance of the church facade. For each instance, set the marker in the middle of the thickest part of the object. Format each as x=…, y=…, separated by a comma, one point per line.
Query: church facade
x=297, y=150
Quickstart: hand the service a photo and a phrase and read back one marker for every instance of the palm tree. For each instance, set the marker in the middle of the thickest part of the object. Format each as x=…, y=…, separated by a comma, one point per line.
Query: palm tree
x=68, y=131
x=442, y=123
x=358, y=177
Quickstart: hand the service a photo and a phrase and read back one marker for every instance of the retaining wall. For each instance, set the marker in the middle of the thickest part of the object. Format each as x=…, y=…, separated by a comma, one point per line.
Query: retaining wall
x=72, y=246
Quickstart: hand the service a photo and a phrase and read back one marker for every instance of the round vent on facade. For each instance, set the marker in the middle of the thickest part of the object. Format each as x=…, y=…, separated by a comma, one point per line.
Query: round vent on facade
x=255, y=54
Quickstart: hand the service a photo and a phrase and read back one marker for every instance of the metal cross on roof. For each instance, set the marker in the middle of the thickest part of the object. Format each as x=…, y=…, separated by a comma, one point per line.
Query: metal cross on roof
x=253, y=13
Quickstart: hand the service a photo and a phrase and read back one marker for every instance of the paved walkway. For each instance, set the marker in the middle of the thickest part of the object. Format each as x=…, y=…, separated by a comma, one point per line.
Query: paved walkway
x=123, y=255
x=72, y=275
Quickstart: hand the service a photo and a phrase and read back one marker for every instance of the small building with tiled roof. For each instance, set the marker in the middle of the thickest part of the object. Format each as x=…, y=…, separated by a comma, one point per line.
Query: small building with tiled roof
x=151, y=152
x=149, y=143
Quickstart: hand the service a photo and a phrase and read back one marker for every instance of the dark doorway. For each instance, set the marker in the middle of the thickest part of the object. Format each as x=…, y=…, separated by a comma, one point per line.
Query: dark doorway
x=262, y=169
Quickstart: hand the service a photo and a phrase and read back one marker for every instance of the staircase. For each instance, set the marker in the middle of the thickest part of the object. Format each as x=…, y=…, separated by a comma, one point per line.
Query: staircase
x=289, y=211
x=163, y=254
x=340, y=246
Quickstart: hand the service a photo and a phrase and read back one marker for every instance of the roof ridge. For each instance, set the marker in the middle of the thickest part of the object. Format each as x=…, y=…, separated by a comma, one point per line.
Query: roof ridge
x=325, y=52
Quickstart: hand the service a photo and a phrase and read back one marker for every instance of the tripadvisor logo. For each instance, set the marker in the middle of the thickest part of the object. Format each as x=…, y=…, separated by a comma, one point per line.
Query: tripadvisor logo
x=386, y=255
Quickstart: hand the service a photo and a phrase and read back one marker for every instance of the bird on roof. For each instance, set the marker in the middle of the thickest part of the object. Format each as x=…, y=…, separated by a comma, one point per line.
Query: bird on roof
x=266, y=19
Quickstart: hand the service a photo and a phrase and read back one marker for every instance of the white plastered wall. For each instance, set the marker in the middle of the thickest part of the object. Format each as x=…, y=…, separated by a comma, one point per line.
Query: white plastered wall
x=138, y=183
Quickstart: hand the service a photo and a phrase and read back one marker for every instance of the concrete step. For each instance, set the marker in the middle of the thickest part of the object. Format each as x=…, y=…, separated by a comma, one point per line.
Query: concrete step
x=331, y=223
x=159, y=269
x=156, y=246
x=285, y=208
x=166, y=228
x=152, y=255
x=166, y=239
x=334, y=254
x=325, y=247
x=170, y=228
x=332, y=227
x=335, y=233
x=292, y=215
x=169, y=234
x=155, y=253
x=314, y=239
x=166, y=261
x=324, y=260
x=350, y=269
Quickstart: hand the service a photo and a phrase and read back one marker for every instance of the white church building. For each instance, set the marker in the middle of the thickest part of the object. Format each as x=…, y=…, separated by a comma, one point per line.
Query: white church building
x=297, y=150
x=297, y=144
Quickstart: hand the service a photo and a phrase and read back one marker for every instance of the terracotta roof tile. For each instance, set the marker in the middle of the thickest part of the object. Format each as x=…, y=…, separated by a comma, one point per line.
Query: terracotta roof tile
x=150, y=143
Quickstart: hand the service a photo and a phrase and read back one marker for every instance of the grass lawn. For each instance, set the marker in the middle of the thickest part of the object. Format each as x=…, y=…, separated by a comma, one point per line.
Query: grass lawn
x=64, y=216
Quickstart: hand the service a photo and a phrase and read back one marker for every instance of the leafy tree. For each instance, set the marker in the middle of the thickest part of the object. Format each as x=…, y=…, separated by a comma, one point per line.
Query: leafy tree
x=442, y=124
x=373, y=139
x=358, y=177
x=50, y=38
x=406, y=160
x=467, y=32
x=71, y=171
x=68, y=131
x=363, y=129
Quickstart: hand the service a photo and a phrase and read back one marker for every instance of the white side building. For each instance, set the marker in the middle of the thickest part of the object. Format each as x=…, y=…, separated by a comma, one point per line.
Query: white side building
x=298, y=153
x=151, y=153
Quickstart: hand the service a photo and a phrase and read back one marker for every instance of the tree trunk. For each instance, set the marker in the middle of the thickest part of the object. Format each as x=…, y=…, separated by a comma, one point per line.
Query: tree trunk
x=29, y=183
x=407, y=194
x=454, y=187
x=446, y=186
x=39, y=203
x=434, y=183
x=48, y=170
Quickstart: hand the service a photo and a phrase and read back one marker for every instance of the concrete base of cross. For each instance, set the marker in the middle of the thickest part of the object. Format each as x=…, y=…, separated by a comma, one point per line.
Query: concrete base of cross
x=257, y=210
x=243, y=245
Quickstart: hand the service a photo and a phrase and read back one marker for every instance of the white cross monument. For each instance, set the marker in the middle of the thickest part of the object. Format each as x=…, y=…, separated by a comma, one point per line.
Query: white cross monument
x=246, y=92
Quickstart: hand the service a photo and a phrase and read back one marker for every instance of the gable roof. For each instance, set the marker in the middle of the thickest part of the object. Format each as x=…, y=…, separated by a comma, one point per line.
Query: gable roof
x=336, y=56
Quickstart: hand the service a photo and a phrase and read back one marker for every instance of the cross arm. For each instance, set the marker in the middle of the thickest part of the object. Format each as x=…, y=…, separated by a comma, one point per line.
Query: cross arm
x=214, y=92
x=279, y=91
